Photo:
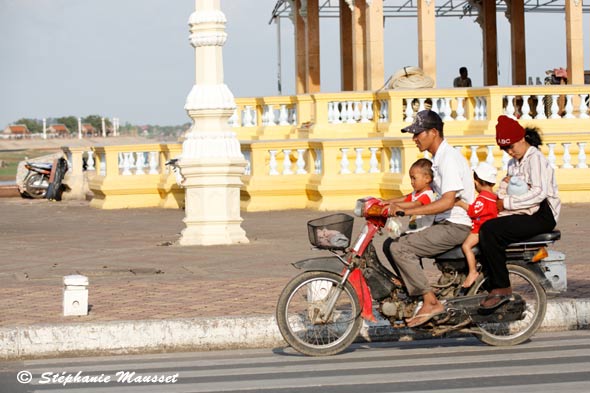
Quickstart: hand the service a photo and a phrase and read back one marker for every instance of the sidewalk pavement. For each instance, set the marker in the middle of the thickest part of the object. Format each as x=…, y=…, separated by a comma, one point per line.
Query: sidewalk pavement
x=147, y=294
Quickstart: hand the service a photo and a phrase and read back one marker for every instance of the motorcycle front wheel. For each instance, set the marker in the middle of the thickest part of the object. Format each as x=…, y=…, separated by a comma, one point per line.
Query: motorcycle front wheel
x=524, y=283
x=308, y=325
x=36, y=185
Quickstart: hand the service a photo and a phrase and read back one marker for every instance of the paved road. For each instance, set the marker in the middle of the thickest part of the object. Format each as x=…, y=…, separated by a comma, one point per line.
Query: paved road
x=547, y=363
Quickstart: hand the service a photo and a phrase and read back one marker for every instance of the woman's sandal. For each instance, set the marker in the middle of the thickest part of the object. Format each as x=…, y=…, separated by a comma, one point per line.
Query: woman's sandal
x=491, y=302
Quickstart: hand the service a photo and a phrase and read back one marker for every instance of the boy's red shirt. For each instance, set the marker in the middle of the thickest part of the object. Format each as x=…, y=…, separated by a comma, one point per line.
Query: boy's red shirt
x=483, y=208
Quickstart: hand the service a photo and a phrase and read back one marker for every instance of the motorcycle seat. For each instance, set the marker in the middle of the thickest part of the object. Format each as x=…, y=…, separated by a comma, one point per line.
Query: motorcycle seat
x=40, y=165
x=543, y=238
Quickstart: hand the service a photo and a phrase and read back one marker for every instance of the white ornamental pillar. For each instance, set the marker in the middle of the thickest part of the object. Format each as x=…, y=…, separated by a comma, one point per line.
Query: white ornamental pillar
x=211, y=163
x=104, y=130
x=79, y=128
x=44, y=128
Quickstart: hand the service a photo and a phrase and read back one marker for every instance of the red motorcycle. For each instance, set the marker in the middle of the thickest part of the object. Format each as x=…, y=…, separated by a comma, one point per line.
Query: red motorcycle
x=321, y=310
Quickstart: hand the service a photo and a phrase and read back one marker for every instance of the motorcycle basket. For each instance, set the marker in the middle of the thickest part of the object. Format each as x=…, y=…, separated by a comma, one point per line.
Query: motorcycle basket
x=332, y=232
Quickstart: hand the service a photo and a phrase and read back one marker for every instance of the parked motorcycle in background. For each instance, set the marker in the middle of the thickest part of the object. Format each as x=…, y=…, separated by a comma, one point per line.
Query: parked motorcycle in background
x=36, y=181
x=44, y=180
x=321, y=310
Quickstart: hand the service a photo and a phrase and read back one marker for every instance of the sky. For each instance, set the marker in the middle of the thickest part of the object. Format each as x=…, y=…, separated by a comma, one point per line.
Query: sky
x=131, y=59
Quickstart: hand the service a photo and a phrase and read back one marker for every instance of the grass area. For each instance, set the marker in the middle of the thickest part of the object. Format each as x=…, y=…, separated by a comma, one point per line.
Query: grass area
x=11, y=158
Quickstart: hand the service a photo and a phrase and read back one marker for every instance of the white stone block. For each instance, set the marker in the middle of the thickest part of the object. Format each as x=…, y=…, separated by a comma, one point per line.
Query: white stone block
x=75, y=301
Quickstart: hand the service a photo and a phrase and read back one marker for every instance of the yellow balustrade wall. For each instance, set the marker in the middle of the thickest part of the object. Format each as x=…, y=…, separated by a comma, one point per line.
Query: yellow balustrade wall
x=323, y=151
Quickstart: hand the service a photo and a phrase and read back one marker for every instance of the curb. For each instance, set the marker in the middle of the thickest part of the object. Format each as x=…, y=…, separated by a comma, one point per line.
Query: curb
x=200, y=334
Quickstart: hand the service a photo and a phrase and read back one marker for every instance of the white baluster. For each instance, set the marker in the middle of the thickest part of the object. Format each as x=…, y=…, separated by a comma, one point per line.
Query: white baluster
x=121, y=161
x=551, y=156
x=435, y=105
x=344, y=162
x=339, y=112
x=273, y=163
x=569, y=106
x=127, y=164
x=103, y=164
x=301, y=162
x=270, y=116
x=247, y=117
x=284, y=116
x=460, y=109
x=248, y=158
x=370, y=112
x=287, y=162
x=509, y=110
x=505, y=159
x=90, y=161
x=356, y=114
x=526, y=109
x=484, y=108
x=154, y=164
x=409, y=111
x=474, y=159
x=583, y=106
x=331, y=119
x=395, y=160
x=459, y=150
x=232, y=121
x=349, y=113
x=540, y=108
x=318, y=162
x=421, y=106
x=385, y=110
x=448, y=110
x=490, y=155
x=554, y=107
x=567, y=158
x=359, y=160
x=582, y=156
x=373, y=162
x=477, y=109
x=364, y=112
x=293, y=115
x=140, y=164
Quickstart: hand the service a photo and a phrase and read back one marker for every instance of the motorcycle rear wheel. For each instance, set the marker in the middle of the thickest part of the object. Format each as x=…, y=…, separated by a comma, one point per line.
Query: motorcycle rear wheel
x=36, y=185
x=524, y=283
x=299, y=317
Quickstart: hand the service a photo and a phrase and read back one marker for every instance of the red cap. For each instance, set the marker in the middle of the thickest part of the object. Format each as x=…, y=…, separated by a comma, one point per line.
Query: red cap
x=508, y=131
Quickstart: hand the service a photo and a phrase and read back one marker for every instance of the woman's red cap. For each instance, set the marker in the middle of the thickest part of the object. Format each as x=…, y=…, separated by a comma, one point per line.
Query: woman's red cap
x=508, y=131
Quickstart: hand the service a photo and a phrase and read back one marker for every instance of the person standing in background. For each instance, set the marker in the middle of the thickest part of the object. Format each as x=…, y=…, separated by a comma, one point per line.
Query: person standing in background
x=462, y=80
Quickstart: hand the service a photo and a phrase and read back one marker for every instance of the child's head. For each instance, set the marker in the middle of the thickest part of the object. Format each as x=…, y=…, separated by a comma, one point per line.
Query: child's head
x=421, y=174
x=484, y=176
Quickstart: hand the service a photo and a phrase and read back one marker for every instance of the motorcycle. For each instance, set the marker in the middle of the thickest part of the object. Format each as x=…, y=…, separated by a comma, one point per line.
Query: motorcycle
x=320, y=312
x=36, y=182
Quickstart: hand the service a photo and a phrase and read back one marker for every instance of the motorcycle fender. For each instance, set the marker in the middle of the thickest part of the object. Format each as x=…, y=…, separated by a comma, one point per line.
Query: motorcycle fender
x=356, y=279
x=536, y=269
x=324, y=264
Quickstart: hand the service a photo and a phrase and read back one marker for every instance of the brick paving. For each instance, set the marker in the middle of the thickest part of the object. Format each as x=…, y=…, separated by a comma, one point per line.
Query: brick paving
x=136, y=272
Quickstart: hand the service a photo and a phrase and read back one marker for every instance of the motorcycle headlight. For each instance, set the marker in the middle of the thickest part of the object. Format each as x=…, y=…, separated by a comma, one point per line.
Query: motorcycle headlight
x=359, y=208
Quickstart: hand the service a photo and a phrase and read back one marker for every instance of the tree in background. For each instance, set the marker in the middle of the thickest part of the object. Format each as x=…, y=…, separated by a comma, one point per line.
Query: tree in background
x=96, y=122
x=69, y=121
x=34, y=126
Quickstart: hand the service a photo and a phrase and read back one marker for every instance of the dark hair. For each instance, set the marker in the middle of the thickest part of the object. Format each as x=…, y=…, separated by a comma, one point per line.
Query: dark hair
x=532, y=135
x=425, y=165
x=487, y=183
x=463, y=69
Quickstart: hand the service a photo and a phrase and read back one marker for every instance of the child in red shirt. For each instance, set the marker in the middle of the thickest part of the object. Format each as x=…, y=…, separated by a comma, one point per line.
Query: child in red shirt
x=483, y=209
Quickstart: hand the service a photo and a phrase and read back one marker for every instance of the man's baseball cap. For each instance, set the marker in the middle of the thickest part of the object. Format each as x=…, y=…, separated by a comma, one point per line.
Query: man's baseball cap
x=425, y=120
